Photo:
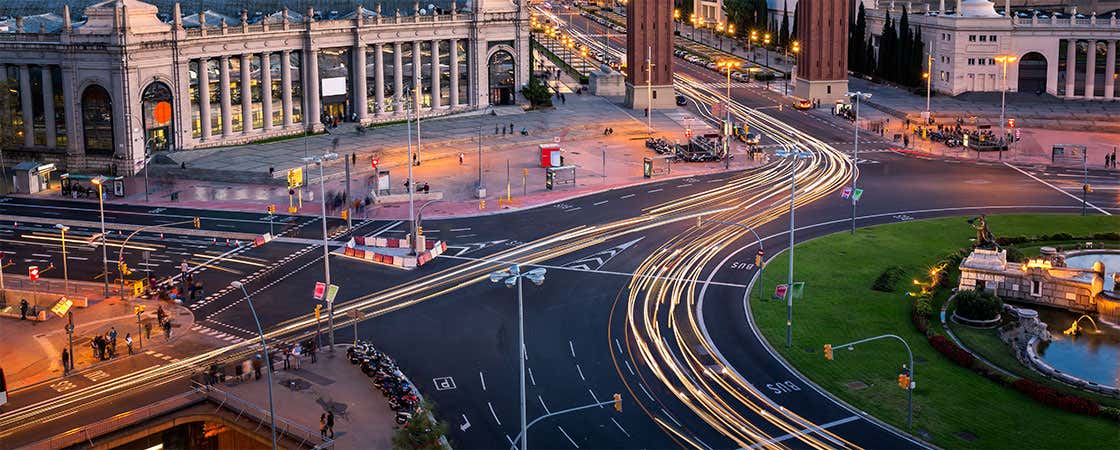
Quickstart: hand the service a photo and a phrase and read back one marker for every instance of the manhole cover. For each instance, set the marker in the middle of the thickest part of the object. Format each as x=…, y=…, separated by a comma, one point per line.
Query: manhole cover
x=295, y=384
x=332, y=406
x=966, y=436
x=856, y=385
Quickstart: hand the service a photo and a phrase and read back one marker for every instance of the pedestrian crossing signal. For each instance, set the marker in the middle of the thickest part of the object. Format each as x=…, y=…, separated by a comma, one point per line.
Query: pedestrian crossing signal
x=197, y=223
x=904, y=381
x=345, y=215
x=758, y=258
x=318, y=310
x=549, y=179
x=272, y=208
x=828, y=351
x=618, y=402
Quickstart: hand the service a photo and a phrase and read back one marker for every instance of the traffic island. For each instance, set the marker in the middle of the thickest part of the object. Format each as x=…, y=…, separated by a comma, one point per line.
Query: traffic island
x=954, y=407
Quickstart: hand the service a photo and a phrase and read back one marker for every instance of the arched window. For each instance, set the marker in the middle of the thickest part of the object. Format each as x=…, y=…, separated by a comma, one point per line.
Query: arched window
x=501, y=69
x=97, y=121
x=158, y=117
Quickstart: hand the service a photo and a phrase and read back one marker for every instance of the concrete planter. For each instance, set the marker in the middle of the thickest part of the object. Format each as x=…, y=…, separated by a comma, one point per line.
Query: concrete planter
x=979, y=324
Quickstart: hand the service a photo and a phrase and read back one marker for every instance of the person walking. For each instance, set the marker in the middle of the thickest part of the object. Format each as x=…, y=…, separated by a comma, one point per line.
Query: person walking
x=323, y=425
x=65, y=361
x=257, y=367
x=113, y=339
x=461, y=158
x=128, y=341
x=167, y=328
x=330, y=423
x=148, y=330
x=23, y=305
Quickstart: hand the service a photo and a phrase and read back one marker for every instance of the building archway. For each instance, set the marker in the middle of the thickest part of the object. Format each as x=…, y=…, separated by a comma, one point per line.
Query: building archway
x=97, y=121
x=158, y=118
x=501, y=67
x=1032, y=72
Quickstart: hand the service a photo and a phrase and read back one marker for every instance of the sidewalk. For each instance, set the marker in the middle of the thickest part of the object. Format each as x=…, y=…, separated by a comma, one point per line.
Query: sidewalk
x=362, y=415
x=32, y=351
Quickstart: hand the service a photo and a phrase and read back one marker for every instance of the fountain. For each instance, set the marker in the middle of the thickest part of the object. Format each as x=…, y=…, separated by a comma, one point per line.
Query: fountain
x=1075, y=329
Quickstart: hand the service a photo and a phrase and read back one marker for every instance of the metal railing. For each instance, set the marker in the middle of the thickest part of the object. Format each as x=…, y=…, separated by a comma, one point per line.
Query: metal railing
x=295, y=432
x=87, y=433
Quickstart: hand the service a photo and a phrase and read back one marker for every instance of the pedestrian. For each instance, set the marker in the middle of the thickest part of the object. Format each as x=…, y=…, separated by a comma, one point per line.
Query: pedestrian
x=330, y=423
x=113, y=338
x=511, y=128
x=147, y=330
x=415, y=159
x=297, y=352
x=128, y=341
x=257, y=367
x=563, y=99
x=312, y=350
x=461, y=156
x=287, y=359
x=160, y=314
x=323, y=425
x=65, y=361
x=495, y=129
x=167, y=328
x=23, y=305
x=906, y=140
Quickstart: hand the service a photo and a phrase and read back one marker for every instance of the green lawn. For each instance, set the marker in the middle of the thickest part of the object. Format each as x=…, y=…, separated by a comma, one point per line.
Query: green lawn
x=949, y=401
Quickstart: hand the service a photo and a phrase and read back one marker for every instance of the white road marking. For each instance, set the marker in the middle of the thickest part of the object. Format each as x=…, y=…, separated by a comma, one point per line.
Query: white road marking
x=483, y=380
x=628, y=367
x=461, y=229
x=1057, y=188
x=617, y=344
x=572, y=348
x=812, y=429
x=674, y=419
x=647, y=392
x=573, y=209
x=627, y=196
x=654, y=190
x=580, y=373
x=599, y=203
x=546, y=411
x=593, y=397
x=494, y=414
x=620, y=427
x=566, y=435
x=531, y=379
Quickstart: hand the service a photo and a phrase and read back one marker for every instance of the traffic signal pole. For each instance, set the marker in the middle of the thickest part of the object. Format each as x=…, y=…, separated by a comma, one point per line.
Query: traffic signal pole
x=912, y=376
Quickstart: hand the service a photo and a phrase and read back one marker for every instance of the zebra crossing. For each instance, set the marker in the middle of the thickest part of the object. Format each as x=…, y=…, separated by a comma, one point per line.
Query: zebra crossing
x=162, y=356
x=212, y=333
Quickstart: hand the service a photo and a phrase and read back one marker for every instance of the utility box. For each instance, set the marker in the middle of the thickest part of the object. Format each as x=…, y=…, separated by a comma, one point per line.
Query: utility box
x=550, y=155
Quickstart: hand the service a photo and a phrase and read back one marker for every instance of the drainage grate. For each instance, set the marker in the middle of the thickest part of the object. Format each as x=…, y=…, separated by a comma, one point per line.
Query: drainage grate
x=856, y=385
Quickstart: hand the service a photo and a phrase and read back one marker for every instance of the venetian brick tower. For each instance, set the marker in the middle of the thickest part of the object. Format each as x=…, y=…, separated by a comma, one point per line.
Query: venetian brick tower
x=649, y=35
x=822, y=66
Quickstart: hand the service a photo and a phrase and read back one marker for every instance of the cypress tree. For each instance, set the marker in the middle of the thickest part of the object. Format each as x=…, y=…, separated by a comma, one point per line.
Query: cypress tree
x=902, y=51
x=886, y=48
x=857, y=53
x=783, y=34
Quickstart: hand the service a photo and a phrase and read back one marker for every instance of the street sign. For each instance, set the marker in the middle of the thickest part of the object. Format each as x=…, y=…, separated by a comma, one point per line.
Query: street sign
x=64, y=304
x=332, y=291
x=33, y=273
x=798, y=289
x=780, y=291
x=846, y=193
x=295, y=177
x=320, y=288
x=857, y=194
x=138, y=288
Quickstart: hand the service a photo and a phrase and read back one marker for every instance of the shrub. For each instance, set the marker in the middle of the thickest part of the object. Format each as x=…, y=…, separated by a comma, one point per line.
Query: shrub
x=1061, y=237
x=952, y=351
x=889, y=279
x=1049, y=396
x=1015, y=255
x=920, y=322
x=1111, y=236
x=923, y=306
x=764, y=76
x=537, y=93
x=1110, y=413
x=978, y=305
x=1012, y=240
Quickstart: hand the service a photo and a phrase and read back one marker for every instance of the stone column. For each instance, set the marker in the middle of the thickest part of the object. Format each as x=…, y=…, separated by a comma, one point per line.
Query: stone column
x=379, y=79
x=360, y=93
x=1071, y=66
x=398, y=80
x=26, y=102
x=286, y=86
x=266, y=90
x=227, y=108
x=246, y=94
x=453, y=46
x=1110, y=71
x=48, y=106
x=311, y=92
x=436, y=102
x=1091, y=69
x=417, y=76
x=71, y=114
x=204, y=98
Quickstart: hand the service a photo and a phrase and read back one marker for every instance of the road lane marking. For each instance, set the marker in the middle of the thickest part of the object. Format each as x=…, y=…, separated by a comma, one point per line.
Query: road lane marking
x=647, y=392
x=566, y=435
x=619, y=345
x=546, y=411
x=604, y=272
x=483, y=380
x=492, y=413
x=599, y=203
x=812, y=429
x=573, y=209
x=674, y=419
x=620, y=427
x=531, y=379
x=461, y=229
x=654, y=190
x=1057, y=189
x=572, y=348
x=627, y=196
x=580, y=373
x=628, y=367
x=593, y=397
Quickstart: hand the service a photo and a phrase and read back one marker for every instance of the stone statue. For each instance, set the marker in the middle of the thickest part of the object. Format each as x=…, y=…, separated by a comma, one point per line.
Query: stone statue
x=984, y=237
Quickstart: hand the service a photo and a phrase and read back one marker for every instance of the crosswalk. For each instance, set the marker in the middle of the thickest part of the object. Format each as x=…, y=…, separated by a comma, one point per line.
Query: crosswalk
x=215, y=334
x=162, y=356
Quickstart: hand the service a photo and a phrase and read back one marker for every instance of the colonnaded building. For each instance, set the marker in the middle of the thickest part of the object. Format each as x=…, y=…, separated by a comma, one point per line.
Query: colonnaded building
x=1068, y=55
x=97, y=95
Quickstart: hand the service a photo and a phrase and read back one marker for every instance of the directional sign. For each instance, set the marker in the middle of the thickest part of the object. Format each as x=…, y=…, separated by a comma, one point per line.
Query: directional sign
x=857, y=194
x=320, y=288
x=33, y=273
x=780, y=291
x=64, y=304
x=798, y=289
x=846, y=193
x=331, y=293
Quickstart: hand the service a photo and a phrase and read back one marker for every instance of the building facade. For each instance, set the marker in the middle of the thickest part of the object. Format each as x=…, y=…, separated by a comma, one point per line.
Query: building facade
x=1068, y=56
x=649, y=46
x=822, y=66
x=100, y=95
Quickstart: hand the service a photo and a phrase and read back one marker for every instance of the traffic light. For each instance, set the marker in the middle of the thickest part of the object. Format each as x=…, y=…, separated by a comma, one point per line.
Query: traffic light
x=688, y=133
x=758, y=258
x=318, y=310
x=549, y=179
x=419, y=231
x=1011, y=123
x=904, y=381
x=828, y=352
x=197, y=223
x=345, y=214
x=618, y=402
x=373, y=162
x=139, y=309
x=123, y=266
x=272, y=208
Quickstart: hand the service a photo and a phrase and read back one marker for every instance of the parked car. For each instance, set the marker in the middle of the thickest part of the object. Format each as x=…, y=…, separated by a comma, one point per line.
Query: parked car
x=681, y=100
x=803, y=104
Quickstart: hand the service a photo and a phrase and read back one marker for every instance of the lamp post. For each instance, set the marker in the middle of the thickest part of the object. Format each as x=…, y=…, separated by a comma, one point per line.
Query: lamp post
x=512, y=277
x=794, y=154
x=1004, y=60
x=725, y=130
x=267, y=359
x=99, y=181
x=766, y=48
x=147, y=159
x=326, y=247
x=796, y=50
x=929, y=79
x=65, y=272
x=480, y=189
x=855, y=152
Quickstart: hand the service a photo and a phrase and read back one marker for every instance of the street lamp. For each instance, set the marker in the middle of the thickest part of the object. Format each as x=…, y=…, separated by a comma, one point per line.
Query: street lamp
x=1005, y=60
x=267, y=359
x=752, y=40
x=796, y=50
x=794, y=154
x=481, y=191
x=318, y=160
x=726, y=66
x=766, y=41
x=99, y=181
x=65, y=272
x=512, y=277
x=929, y=79
x=855, y=152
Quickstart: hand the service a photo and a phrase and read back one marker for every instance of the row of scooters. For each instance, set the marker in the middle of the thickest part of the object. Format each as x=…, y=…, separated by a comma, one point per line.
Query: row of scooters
x=386, y=377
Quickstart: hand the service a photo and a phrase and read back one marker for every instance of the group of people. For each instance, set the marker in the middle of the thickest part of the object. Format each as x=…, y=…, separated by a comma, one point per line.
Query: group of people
x=608, y=131
x=1110, y=160
x=104, y=347
x=293, y=353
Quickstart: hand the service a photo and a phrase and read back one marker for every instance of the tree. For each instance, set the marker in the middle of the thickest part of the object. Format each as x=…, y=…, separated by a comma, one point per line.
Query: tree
x=686, y=7
x=420, y=433
x=796, y=7
x=537, y=93
x=869, y=59
x=918, y=58
x=783, y=34
x=886, y=48
x=857, y=53
x=902, y=51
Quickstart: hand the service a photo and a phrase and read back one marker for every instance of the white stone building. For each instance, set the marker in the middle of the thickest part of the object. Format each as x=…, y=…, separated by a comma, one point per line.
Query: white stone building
x=95, y=95
x=1068, y=56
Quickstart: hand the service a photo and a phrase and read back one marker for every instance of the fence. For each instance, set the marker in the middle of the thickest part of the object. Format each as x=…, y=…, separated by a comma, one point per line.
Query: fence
x=243, y=407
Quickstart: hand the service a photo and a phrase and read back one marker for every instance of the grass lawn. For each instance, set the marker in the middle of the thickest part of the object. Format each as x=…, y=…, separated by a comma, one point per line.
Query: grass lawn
x=953, y=406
